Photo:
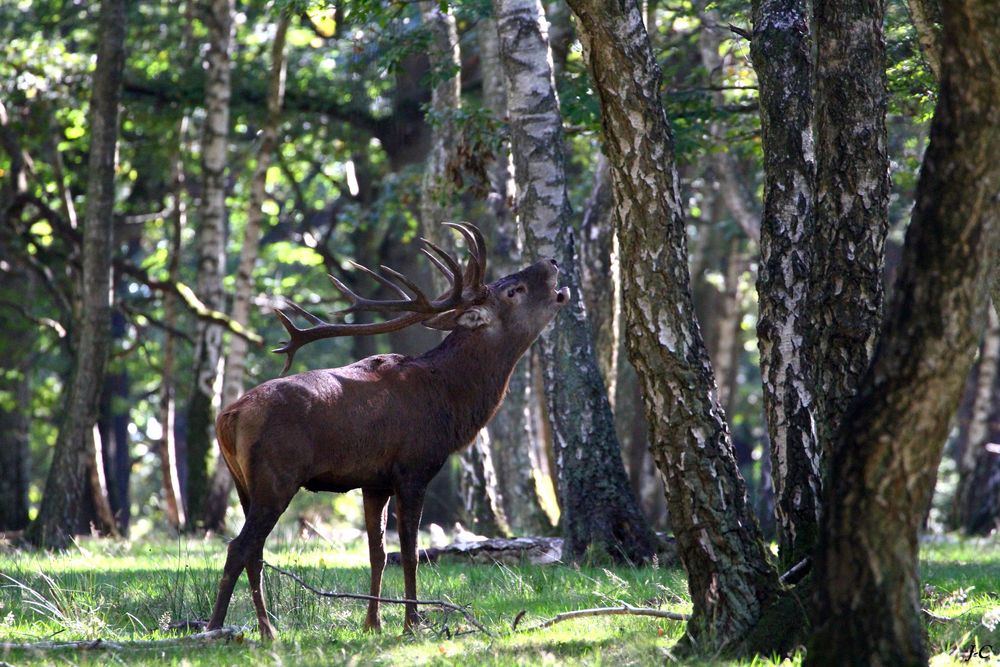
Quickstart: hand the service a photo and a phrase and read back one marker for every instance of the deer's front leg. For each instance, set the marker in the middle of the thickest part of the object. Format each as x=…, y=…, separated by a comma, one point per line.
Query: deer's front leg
x=375, y=516
x=409, y=507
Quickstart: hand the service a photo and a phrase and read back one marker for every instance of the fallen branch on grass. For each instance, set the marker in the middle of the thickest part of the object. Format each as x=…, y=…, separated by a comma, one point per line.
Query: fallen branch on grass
x=448, y=606
x=229, y=633
x=624, y=610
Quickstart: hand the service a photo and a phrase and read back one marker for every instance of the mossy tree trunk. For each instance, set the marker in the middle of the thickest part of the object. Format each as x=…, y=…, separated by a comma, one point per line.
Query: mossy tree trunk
x=884, y=463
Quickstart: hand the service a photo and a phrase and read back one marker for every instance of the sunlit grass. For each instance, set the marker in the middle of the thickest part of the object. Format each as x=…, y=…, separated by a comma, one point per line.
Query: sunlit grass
x=131, y=591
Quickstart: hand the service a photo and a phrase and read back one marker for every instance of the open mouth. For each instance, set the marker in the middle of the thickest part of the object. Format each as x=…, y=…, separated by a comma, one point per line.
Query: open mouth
x=562, y=295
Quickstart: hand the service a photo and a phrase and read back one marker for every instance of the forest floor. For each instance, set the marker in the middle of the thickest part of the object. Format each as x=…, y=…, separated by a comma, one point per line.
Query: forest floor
x=126, y=592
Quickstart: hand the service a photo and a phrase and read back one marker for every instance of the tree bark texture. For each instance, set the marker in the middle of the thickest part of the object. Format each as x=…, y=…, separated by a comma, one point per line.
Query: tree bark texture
x=221, y=485
x=64, y=485
x=883, y=468
x=852, y=203
x=599, y=510
x=781, y=53
x=729, y=576
x=513, y=439
x=211, y=254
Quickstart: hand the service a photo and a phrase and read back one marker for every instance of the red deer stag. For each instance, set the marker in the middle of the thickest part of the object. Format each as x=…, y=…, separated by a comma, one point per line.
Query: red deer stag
x=385, y=424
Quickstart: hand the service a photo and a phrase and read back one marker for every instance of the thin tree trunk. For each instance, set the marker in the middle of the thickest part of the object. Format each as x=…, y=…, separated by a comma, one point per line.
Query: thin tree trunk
x=975, y=456
x=172, y=494
x=64, y=486
x=600, y=273
x=599, y=510
x=211, y=255
x=477, y=481
x=852, y=204
x=884, y=464
x=513, y=438
x=729, y=576
x=15, y=385
x=232, y=380
x=926, y=17
x=781, y=52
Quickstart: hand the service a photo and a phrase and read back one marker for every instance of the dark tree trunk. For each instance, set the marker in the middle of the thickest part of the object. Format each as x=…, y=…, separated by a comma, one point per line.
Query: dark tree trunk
x=729, y=576
x=65, y=484
x=15, y=408
x=852, y=204
x=599, y=510
x=781, y=51
x=884, y=464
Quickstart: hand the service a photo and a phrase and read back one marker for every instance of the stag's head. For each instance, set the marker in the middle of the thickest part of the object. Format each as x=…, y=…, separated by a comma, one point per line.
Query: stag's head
x=513, y=309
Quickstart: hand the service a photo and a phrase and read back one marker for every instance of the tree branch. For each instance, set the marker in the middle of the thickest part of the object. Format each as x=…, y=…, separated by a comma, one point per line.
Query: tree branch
x=358, y=596
x=624, y=610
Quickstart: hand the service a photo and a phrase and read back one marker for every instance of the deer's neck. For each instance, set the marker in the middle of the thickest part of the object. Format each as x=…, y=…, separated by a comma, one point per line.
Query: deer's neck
x=473, y=376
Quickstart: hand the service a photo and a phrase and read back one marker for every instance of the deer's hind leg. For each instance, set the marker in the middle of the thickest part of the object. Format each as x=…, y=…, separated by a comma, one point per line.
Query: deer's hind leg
x=376, y=503
x=245, y=552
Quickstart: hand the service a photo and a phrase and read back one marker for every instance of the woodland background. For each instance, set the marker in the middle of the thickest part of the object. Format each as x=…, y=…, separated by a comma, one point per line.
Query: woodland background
x=261, y=146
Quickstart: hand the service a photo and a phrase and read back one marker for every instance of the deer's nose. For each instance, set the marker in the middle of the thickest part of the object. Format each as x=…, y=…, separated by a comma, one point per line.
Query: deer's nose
x=554, y=263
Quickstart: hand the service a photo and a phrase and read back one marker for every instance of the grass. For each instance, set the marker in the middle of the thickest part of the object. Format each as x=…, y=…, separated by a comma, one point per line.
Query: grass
x=131, y=591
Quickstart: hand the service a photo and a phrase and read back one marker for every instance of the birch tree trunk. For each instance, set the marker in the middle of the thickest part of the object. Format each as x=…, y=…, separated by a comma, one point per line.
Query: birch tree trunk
x=513, y=439
x=211, y=255
x=729, y=576
x=64, y=485
x=781, y=52
x=481, y=496
x=232, y=379
x=599, y=510
x=852, y=204
x=884, y=464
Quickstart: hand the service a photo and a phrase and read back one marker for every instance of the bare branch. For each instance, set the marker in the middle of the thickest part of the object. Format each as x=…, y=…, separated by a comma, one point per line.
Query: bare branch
x=358, y=596
x=624, y=610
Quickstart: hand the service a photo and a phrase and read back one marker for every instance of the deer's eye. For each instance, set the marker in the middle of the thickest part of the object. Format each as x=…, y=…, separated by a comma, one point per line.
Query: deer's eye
x=511, y=293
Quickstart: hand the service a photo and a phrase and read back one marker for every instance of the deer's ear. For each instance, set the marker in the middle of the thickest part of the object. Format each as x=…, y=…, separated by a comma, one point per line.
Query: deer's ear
x=473, y=318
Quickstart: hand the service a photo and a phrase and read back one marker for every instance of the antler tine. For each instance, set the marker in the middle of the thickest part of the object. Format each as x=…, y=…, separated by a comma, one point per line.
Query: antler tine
x=437, y=263
x=475, y=270
x=457, y=282
x=382, y=280
x=421, y=298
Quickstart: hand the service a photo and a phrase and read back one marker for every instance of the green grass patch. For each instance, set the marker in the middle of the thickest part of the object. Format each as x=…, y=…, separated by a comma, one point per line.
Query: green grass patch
x=124, y=592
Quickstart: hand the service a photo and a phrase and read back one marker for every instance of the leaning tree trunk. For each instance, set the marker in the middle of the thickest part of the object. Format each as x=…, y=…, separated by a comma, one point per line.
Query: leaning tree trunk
x=781, y=51
x=482, y=502
x=211, y=255
x=729, y=576
x=852, y=204
x=232, y=379
x=64, y=486
x=599, y=509
x=513, y=438
x=884, y=464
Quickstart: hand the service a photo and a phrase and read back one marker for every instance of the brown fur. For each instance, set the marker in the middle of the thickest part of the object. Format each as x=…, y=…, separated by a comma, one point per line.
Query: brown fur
x=385, y=424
